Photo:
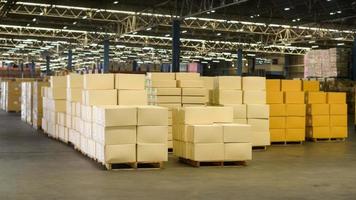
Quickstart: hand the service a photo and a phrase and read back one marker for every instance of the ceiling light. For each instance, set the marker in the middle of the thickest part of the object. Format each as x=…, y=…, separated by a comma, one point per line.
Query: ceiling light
x=148, y=29
x=28, y=24
x=34, y=19
x=340, y=44
x=116, y=2
x=212, y=11
x=74, y=23
x=41, y=13
x=286, y=9
x=208, y=13
x=251, y=16
x=294, y=20
x=332, y=13
x=167, y=35
x=315, y=46
x=339, y=11
x=134, y=33
x=218, y=34
x=204, y=27
x=84, y=17
x=184, y=31
x=65, y=27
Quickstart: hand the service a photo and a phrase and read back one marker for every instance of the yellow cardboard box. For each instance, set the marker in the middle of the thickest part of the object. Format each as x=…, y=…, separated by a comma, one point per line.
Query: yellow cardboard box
x=297, y=110
x=318, y=109
x=206, y=152
x=311, y=85
x=291, y=85
x=277, y=110
x=74, y=81
x=274, y=97
x=336, y=97
x=237, y=133
x=240, y=110
x=338, y=132
x=297, y=134
x=338, y=120
x=273, y=85
x=168, y=91
x=295, y=122
x=318, y=120
x=278, y=135
x=338, y=109
x=228, y=96
x=294, y=97
x=318, y=132
x=315, y=97
x=277, y=122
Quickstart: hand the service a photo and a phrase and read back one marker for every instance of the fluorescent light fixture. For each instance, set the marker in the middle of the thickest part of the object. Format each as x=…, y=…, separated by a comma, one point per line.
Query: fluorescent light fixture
x=212, y=11
x=148, y=29
x=34, y=19
x=167, y=35
x=286, y=9
x=84, y=17
x=74, y=23
x=340, y=44
x=218, y=34
x=315, y=46
x=184, y=31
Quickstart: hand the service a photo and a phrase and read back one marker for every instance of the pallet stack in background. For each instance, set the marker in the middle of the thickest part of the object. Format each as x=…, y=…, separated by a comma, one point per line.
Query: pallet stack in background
x=37, y=111
x=11, y=95
x=193, y=89
x=208, y=134
x=26, y=101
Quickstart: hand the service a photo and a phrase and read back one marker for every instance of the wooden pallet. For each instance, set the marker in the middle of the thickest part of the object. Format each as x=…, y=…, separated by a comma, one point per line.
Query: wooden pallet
x=287, y=142
x=259, y=148
x=212, y=163
x=134, y=166
x=327, y=139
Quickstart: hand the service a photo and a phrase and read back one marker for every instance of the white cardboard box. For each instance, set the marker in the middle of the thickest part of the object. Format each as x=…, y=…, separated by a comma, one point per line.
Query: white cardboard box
x=205, y=134
x=152, y=116
x=152, y=152
x=152, y=134
x=238, y=151
x=257, y=111
x=237, y=133
x=121, y=153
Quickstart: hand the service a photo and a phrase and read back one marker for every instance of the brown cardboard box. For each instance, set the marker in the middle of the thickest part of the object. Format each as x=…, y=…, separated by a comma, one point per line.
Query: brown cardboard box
x=316, y=97
x=257, y=111
x=295, y=122
x=278, y=135
x=291, y=85
x=274, y=97
x=130, y=81
x=336, y=97
x=297, y=110
x=253, y=83
x=313, y=86
x=237, y=133
x=112, y=116
x=122, y=153
x=75, y=81
x=238, y=151
x=164, y=83
x=152, y=152
x=132, y=97
x=254, y=97
x=318, y=121
x=98, y=81
x=294, y=97
x=338, y=109
x=228, y=97
x=190, y=83
x=152, y=134
x=205, y=134
x=277, y=123
x=273, y=85
x=318, y=109
x=338, y=120
x=169, y=91
x=99, y=97
x=228, y=83
x=206, y=152
x=145, y=116
x=295, y=134
x=277, y=110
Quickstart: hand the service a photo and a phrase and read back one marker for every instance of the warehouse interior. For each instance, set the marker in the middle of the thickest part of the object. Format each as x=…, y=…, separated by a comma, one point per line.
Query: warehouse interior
x=177, y=99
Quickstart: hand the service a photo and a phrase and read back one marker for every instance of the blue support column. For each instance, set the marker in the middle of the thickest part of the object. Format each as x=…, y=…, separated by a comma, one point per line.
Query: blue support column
x=239, y=62
x=353, y=64
x=70, y=58
x=48, y=61
x=176, y=45
x=33, y=68
x=134, y=65
x=21, y=66
x=106, y=55
x=286, y=65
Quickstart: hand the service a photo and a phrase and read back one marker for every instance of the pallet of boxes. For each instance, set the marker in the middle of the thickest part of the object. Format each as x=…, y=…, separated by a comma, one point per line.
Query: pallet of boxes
x=207, y=136
x=37, y=103
x=193, y=88
x=11, y=95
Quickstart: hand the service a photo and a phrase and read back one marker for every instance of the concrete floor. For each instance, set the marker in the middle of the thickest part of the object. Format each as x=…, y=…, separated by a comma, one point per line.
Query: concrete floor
x=33, y=166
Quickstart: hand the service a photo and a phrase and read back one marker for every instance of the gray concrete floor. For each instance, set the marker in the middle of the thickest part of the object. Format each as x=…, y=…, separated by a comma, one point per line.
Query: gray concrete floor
x=33, y=166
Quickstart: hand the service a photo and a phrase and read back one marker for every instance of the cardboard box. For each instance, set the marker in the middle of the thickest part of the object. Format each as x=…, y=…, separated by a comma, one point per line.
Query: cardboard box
x=338, y=120
x=168, y=91
x=261, y=138
x=273, y=85
x=114, y=135
x=277, y=123
x=274, y=97
x=318, y=132
x=109, y=116
x=257, y=111
x=238, y=151
x=336, y=97
x=164, y=83
x=187, y=76
x=161, y=76
x=253, y=83
x=130, y=81
x=221, y=114
x=259, y=125
x=297, y=110
x=152, y=116
x=291, y=85
x=99, y=97
x=152, y=134
x=208, y=82
x=194, y=91
x=254, y=97
x=240, y=121
x=278, y=135
x=338, y=109
x=228, y=96
x=122, y=153
x=98, y=81
x=318, y=109
x=207, y=152
x=318, y=121
x=190, y=83
x=237, y=133
x=169, y=99
x=228, y=83
x=312, y=86
x=294, y=97
x=57, y=81
x=205, y=115
x=295, y=135
x=75, y=81
x=205, y=134
x=57, y=93
x=316, y=97
x=295, y=122
x=240, y=110
x=193, y=100
x=132, y=97
x=338, y=132
x=152, y=152
x=277, y=110
x=74, y=94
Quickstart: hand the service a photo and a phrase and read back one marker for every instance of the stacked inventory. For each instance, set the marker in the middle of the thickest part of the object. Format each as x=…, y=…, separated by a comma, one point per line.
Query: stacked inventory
x=11, y=96
x=193, y=88
x=26, y=101
x=295, y=110
x=207, y=134
x=37, y=111
x=131, y=89
x=338, y=115
x=209, y=86
x=254, y=96
x=227, y=90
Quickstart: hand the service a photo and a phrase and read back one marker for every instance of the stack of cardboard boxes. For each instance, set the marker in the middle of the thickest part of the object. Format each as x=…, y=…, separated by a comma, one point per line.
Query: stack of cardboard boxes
x=227, y=90
x=206, y=134
x=338, y=115
x=209, y=83
x=26, y=101
x=37, y=111
x=11, y=95
x=194, y=92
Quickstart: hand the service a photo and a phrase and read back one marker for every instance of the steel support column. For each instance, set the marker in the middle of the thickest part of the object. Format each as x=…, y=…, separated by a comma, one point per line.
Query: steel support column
x=48, y=61
x=353, y=64
x=106, y=55
x=176, y=45
x=286, y=65
x=33, y=68
x=239, y=62
x=70, y=58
